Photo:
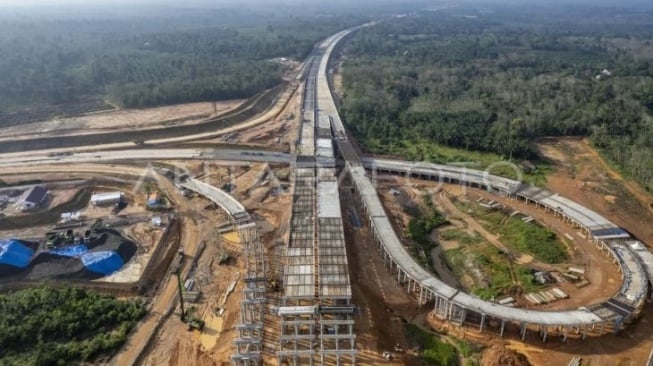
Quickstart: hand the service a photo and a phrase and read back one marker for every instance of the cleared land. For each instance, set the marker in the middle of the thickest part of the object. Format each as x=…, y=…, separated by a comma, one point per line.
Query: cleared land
x=472, y=257
x=254, y=185
x=122, y=119
x=584, y=177
x=581, y=175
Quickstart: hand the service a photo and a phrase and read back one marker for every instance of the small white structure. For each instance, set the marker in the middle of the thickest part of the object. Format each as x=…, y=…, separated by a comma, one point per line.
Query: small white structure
x=71, y=216
x=506, y=301
x=576, y=270
x=109, y=198
x=156, y=221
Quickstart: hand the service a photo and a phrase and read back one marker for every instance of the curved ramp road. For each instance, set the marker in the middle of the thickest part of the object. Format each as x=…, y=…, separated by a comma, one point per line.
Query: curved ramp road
x=457, y=306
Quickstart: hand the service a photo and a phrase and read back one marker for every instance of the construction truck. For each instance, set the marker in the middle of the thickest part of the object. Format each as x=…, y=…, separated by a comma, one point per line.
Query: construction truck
x=192, y=321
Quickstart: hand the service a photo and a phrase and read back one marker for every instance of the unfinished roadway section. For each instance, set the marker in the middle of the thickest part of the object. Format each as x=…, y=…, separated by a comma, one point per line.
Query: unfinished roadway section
x=249, y=344
x=451, y=304
x=316, y=314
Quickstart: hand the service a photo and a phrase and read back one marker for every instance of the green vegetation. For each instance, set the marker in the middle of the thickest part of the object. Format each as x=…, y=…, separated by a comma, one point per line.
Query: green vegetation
x=150, y=58
x=420, y=228
x=432, y=349
x=494, y=275
x=489, y=85
x=62, y=326
x=525, y=237
x=461, y=236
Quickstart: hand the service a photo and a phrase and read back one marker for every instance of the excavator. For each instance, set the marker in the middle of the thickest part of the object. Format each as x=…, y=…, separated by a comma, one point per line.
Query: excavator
x=192, y=321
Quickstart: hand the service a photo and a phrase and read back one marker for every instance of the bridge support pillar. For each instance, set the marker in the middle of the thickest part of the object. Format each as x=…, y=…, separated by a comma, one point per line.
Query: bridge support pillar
x=523, y=330
x=480, y=328
x=503, y=327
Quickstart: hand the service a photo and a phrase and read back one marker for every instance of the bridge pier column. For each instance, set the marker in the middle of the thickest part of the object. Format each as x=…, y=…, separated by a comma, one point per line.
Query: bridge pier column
x=524, y=327
x=480, y=329
x=503, y=327
x=544, y=335
x=463, y=316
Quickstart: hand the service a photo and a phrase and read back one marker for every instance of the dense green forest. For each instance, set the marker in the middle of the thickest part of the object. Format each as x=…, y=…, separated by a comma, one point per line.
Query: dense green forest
x=48, y=326
x=138, y=60
x=494, y=81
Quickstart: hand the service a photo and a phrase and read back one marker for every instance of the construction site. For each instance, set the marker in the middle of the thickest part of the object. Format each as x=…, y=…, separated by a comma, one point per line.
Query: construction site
x=258, y=234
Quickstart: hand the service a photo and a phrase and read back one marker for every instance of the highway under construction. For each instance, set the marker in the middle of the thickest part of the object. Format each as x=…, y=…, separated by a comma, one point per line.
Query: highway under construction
x=316, y=315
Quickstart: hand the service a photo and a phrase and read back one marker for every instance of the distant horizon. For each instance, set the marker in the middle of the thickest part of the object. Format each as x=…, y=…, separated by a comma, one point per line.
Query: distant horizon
x=212, y=3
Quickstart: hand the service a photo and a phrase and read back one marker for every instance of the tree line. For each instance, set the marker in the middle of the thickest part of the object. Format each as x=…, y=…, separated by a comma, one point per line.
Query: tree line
x=63, y=326
x=493, y=84
x=140, y=62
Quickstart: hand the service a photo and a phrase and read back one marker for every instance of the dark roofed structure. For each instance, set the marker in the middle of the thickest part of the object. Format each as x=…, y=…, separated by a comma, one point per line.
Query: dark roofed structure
x=33, y=197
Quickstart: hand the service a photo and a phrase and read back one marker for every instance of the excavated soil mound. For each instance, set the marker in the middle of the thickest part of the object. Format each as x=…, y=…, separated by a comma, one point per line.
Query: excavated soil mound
x=497, y=355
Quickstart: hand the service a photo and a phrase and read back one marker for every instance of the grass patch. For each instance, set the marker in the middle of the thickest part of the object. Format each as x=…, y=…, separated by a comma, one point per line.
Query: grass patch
x=469, y=351
x=494, y=266
x=435, y=153
x=524, y=237
x=455, y=260
x=432, y=348
x=461, y=236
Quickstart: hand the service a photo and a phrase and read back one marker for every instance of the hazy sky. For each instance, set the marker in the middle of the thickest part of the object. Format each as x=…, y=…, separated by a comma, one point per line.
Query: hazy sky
x=349, y=3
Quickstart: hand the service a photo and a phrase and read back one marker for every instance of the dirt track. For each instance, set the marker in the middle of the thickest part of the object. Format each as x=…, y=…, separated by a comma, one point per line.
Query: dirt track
x=117, y=120
x=584, y=177
x=256, y=105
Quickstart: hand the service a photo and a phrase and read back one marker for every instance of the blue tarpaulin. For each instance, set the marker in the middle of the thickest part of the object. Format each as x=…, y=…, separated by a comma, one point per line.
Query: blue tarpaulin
x=15, y=254
x=105, y=262
x=70, y=251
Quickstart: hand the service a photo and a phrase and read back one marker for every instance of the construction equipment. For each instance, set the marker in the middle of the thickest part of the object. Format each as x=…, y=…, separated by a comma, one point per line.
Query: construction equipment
x=192, y=321
x=273, y=285
x=224, y=258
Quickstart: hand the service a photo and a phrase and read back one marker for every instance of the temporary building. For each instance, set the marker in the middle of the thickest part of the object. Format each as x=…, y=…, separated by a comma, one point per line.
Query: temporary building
x=156, y=221
x=109, y=198
x=32, y=198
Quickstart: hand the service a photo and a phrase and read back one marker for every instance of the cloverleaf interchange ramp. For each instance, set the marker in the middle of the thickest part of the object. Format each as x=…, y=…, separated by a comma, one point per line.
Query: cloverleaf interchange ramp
x=317, y=292
x=459, y=307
